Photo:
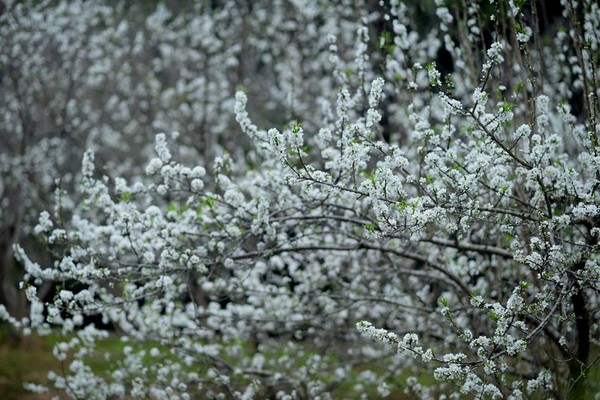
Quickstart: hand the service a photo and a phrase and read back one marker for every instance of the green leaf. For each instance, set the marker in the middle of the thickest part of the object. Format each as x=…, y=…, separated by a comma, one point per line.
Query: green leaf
x=508, y=107
x=296, y=127
x=442, y=301
x=208, y=201
x=126, y=197
x=519, y=27
x=524, y=285
x=369, y=227
x=402, y=206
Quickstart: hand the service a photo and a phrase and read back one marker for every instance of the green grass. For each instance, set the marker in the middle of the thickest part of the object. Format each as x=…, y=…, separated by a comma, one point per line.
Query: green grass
x=29, y=359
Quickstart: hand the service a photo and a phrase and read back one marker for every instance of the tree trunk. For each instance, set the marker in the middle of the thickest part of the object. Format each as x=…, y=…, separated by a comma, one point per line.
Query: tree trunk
x=10, y=296
x=578, y=365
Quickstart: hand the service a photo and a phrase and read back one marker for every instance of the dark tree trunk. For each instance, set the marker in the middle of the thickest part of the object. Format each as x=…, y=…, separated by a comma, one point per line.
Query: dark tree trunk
x=578, y=365
x=10, y=273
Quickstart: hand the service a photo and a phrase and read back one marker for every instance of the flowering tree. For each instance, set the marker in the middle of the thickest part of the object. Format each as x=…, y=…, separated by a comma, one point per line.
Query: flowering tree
x=428, y=201
x=76, y=76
